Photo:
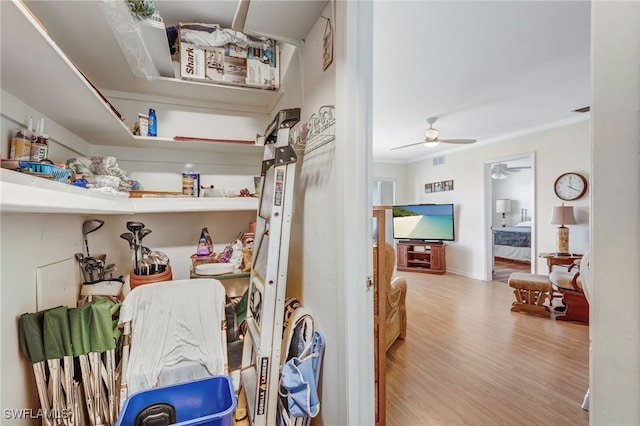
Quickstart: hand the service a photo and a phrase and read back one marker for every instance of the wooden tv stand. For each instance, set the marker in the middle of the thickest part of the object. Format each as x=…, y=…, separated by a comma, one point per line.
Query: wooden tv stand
x=417, y=256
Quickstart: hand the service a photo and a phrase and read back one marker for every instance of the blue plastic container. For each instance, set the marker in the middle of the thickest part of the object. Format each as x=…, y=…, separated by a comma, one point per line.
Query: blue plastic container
x=153, y=123
x=209, y=401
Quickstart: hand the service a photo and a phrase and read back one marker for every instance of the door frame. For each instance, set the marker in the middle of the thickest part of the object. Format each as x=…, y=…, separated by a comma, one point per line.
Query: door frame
x=488, y=202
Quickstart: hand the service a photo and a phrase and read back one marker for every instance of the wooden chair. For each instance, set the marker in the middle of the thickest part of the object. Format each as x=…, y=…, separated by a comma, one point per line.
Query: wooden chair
x=568, y=286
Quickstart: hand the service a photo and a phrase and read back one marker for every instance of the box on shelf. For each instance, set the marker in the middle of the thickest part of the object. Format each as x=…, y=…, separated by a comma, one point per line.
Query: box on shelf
x=207, y=54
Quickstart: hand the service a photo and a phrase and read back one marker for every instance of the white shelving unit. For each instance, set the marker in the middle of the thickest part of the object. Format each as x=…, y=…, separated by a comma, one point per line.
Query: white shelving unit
x=22, y=193
x=36, y=71
x=221, y=147
x=232, y=98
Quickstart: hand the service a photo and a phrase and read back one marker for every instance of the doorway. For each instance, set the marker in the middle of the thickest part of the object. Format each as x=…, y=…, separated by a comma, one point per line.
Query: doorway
x=384, y=194
x=510, y=224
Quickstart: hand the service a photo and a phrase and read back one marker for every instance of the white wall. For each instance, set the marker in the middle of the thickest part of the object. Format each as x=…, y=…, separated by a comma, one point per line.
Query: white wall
x=15, y=115
x=197, y=119
x=330, y=253
x=313, y=275
x=396, y=173
x=28, y=242
x=615, y=224
x=557, y=150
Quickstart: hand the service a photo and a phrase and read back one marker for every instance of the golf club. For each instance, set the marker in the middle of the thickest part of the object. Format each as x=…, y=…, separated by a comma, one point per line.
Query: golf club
x=80, y=259
x=134, y=227
x=93, y=269
x=88, y=227
x=128, y=236
x=141, y=234
x=109, y=269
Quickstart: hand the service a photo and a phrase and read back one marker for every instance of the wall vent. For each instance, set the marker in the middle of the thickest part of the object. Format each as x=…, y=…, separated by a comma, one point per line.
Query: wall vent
x=438, y=161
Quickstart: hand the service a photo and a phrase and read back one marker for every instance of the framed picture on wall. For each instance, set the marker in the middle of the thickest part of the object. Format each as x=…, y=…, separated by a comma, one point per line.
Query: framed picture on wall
x=327, y=48
x=445, y=185
x=448, y=185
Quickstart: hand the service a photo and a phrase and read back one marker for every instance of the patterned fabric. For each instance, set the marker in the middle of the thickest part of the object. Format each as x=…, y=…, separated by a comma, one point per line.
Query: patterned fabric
x=519, y=236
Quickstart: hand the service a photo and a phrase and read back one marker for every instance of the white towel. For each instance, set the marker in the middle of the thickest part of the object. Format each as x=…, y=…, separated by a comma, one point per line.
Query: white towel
x=173, y=322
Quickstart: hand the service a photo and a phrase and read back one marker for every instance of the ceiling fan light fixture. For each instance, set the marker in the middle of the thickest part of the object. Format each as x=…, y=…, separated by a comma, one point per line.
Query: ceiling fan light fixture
x=431, y=144
x=431, y=134
x=498, y=174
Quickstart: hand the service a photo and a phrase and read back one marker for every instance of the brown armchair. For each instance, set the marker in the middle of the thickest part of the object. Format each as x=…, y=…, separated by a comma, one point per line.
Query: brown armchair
x=568, y=285
x=396, y=294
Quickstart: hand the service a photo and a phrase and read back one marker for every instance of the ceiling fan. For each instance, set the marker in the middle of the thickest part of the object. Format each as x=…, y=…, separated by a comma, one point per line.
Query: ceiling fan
x=502, y=170
x=431, y=138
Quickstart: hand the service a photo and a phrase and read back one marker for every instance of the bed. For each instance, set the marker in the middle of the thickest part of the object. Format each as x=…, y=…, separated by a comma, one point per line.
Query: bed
x=513, y=243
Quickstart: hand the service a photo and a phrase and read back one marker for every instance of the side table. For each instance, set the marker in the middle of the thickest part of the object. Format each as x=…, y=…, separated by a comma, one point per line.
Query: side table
x=558, y=259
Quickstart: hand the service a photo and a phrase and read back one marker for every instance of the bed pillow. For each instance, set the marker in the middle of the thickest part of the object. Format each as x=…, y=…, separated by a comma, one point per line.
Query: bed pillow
x=526, y=223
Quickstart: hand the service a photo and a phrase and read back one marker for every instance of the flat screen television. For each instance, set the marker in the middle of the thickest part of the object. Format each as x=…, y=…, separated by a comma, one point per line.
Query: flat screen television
x=423, y=222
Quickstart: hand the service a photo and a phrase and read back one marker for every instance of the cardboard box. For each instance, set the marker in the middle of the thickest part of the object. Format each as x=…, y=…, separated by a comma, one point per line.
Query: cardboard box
x=215, y=63
x=197, y=63
x=235, y=70
x=260, y=74
x=234, y=50
x=251, y=64
x=192, y=62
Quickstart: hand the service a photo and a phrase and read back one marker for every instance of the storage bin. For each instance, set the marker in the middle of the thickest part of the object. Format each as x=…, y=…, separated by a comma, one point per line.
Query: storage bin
x=209, y=401
x=45, y=170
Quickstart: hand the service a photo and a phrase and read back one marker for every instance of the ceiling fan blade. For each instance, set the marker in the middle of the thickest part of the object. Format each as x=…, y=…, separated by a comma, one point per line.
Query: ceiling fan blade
x=407, y=146
x=458, y=141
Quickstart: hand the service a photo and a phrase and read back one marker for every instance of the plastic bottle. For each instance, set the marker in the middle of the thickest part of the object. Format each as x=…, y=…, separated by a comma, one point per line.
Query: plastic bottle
x=153, y=123
x=40, y=143
x=205, y=244
x=21, y=144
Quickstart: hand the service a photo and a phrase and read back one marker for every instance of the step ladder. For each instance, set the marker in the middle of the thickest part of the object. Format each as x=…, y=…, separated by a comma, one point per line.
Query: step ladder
x=260, y=371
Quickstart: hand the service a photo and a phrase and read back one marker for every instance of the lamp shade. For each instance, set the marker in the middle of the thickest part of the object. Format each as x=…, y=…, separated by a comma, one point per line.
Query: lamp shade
x=563, y=215
x=503, y=206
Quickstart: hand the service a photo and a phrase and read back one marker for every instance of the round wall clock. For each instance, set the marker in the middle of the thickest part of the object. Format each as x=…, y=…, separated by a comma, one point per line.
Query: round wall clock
x=570, y=186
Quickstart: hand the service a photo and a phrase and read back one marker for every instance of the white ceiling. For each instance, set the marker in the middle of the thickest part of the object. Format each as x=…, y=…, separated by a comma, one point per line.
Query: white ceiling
x=486, y=69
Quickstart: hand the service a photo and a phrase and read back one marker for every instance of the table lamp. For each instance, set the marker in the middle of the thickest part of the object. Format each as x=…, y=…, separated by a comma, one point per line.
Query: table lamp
x=503, y=206
x=562, y=215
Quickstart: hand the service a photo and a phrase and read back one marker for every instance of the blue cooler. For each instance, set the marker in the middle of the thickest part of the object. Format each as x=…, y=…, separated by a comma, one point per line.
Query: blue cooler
x=209, y=401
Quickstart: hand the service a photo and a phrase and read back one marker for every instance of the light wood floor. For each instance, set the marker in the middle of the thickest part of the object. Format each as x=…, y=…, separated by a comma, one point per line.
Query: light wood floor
x=468, y=360
x=503, y=269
